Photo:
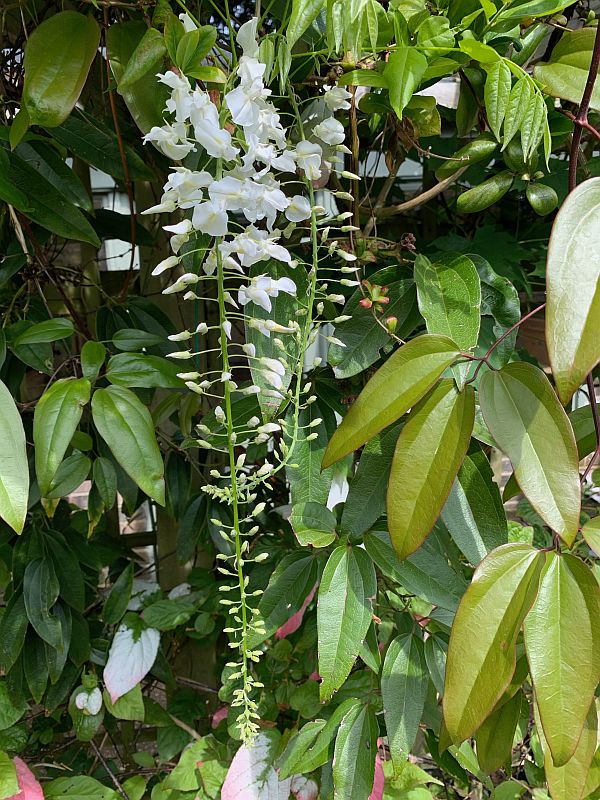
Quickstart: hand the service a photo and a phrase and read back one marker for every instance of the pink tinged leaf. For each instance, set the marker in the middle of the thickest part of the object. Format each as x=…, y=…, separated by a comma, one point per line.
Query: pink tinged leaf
x=294, y=622
x=379, y=781
x=129, y=660
x=29, y=788
x=219, y=715
x=303, y=788
x=251, y=775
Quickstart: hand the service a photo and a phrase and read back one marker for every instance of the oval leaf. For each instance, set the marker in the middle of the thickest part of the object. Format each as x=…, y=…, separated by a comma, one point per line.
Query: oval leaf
x=354, y=755
x=131, y=656
x=14, y=471
x=396, y=386
x=481, y=655
x=433, y=441
x=525, y=418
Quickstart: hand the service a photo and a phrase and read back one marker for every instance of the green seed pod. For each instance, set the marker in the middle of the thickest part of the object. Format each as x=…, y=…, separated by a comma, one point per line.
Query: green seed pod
x=473, y=152
x=531, y=41
x=515, y=161
x=543, y=199
x=486, y=194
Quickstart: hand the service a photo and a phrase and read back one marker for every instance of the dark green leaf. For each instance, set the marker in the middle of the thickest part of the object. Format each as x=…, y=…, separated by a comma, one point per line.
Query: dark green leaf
x=497, y=92
x=117, y=601
x=149, y=52
x=14, y=470
x=355, y=750
x=136, y=370
x=70, y=474
x=47, y=162
x=40, y=591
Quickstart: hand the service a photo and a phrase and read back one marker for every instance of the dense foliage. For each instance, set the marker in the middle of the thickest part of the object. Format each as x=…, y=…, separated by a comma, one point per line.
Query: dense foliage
x=294, y=285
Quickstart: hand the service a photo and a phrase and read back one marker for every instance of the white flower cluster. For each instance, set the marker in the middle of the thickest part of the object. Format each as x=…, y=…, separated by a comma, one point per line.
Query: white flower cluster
x=247, y=187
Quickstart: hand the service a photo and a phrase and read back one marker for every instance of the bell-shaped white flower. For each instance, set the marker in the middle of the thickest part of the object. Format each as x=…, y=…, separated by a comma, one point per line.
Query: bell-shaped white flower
x=210, y=217
x=165, y=264
x=89, y=702
x=188, y=23
x=330, y=131
x=182, y=283
x=246, y=38
x=182, y=232
x=308, y=158
x=337, y=98
x=298, y=209
x=263, y=288
x=170, y=140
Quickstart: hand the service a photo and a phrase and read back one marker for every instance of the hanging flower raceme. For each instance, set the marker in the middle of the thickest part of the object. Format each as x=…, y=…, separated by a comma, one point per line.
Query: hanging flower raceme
x=231, y=210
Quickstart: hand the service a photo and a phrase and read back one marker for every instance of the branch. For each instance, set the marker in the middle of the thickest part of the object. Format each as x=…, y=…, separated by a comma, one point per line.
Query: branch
x=111, y=774
x=581, y=119
x=596, y=416
x=424, y=197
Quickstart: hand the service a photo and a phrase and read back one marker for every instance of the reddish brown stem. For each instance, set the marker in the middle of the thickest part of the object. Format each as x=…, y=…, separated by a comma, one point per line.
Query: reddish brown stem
x=581, y=119
x=596, y=417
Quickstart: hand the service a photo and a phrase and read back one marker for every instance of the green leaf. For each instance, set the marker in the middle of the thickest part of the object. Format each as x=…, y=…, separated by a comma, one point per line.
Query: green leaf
x=174, y=31
x=364, y=77
x=365, y=502
x=473, y=513
x=11, y=708
x=565, y=74
x=591, y=534
x=208, y=74
x=304, y=13
x=191, y=526
x=518, y=103
x=70, y=474
x=529, y=424
x=355, y=750
x=9, y=785
x=46, y=206
x=57, y=415
x=396, y=386
x=403, y=72
x=562, y=639
x=567, y=782
x=433, y=441
x=9, y=193
x=40, y=592
x=51, y=330
x=13, y=627
x=500, y=300
x=55, y=74
x=479, y=51
x=344, y=611
x=92, y=359
x=132, y=339
x=78, y=787
x=314, y=524
x=117, y=601
x=289, y=762
x=449, y=294
x=168, y=614
x=290, y=584
x=95, y=143
x=105, y=480
x=126, y=426
x=14, y=471
x=534, y=122
x=497, y=91
x=129, y=706
x=194, y=46
x=533, y=8
x=362, y=335
x=404, y=682
x=150, y=50
x=573, y=301
x=48, y=163
x=146, y=99
x=137, y=370
x=495, y=737
x=543, y=199
x=426, y=573
x=481, y=655
x=19, y=127
x=476, y=151
x=307, y=482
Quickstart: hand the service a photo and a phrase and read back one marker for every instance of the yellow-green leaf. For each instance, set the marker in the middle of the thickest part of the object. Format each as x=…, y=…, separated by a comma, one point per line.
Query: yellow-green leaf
x=565, y=74
x=14, y=472
x=396, y=386
x=429, y=452
x=591, y=534
x=525, y=418
x=495, y=737
x=562, y=639
x=482, y=655
x=573, y=293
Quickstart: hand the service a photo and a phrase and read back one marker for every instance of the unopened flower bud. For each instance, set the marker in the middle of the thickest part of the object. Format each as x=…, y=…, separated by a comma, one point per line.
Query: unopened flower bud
x=391, y=323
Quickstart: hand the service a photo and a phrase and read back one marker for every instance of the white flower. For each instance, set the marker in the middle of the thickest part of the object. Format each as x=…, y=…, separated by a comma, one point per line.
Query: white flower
x=188, y=22
x=298, y=209
x=168, y=140
x=182, y=232
x=89, y=702
x=262, y=288
x=181, y=355
x=246, y=38
x=230, y=192
x=182, y=283
x=219, y=414
x=165, y=264
x=308, y=158
x=180, y=102
x=210, y=217
x=227, y=328
x=202, y=328
x=180, y=337
x=254, y=245
x=249, y=349
x=253, y=422
x=274, y=364
x=216, y=141
x=337, y=98
x=330, y=131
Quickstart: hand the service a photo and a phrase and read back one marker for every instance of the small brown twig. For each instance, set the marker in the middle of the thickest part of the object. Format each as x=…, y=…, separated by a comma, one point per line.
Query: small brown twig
x=581, y=118
x=111, y=774
x=424, y=197
x=583, y=123
x=596, y=417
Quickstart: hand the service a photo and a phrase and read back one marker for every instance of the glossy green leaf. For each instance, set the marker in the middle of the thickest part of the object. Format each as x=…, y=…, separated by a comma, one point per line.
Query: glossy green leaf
x=500, y=300
x=426, y=573
x=562, y=638
x=449, y=294
x=11, y=708
x=52, y=330
x=403, y=690
x=495, y=737
x=533, y=8
x=57, y=415
x=146, y=98
x=118, y=599
x=473, y=513
x=433, y=441
x=55, y=74
x=13, y=627
x=9, y=193
x=9, y=785
x=573, y=300
x=496, y=95
x=403, y=72
x=149, y=52
x=591, y=534
x=363, y=77
x=354, y=756
x=396, y=386
x=567, y=782
x=565, y=74
x=48, y=163
x=71, y=473
x=193, y=47
x=14, y=471
x=344, y=610
x=518, y=103
x=314, y=524
x=290, y=584
x=40, y=592
x=92, y=358
x=78, y=787
x=126, y=426
x=105, y=479
x=479, y=51
x=304, y=13
x=481, y=655
x=527, y=421
x=174, y=31
x=137, y=370
x=362, y=336
x=365, y=501
x=534, y=122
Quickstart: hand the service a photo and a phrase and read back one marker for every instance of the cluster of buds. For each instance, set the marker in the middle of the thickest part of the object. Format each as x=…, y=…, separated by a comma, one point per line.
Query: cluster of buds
x=376, y=297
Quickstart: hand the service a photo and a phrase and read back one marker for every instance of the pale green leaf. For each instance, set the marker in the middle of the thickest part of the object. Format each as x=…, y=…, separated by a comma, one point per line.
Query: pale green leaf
x=518, y=103
x=565, y=74
x=14, y=470
x=496, y=94
x=304, y=13
x=355, y=750
x=403, y=72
